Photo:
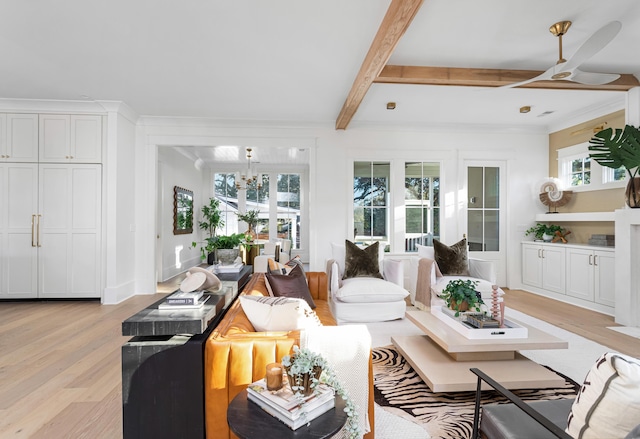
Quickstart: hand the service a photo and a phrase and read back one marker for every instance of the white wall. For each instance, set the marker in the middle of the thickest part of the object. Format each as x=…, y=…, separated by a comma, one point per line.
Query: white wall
x=330, y=171
x=177, y=253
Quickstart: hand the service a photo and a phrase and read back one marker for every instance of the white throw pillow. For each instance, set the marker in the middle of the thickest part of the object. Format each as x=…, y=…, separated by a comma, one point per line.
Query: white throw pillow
x=278, y=313
x=370, y=289
x=608, y=404
x=425, y=251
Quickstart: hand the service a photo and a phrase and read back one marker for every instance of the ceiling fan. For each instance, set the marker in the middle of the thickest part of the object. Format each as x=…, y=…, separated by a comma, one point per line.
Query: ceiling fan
x=568, y=69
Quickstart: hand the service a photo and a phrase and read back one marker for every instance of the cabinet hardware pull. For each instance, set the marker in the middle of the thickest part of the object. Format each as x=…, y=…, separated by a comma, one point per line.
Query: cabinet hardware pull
x=542, y=253
x=33, y=223
x=539, y=254
x=590, y=259
x=595, y=260
x=38, y=229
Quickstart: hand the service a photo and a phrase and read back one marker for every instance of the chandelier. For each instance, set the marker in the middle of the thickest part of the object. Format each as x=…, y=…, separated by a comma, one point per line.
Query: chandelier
x=248, y=178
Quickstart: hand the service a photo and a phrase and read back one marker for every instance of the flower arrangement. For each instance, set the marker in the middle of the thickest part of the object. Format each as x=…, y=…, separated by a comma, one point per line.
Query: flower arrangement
x=306, y=362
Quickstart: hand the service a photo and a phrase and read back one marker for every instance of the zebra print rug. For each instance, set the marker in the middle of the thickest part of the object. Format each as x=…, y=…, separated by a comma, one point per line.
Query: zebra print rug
x=399, y=389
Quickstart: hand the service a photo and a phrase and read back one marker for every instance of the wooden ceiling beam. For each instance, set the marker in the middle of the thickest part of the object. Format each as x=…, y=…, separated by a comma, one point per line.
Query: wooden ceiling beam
x=395, y=23
x=488, y=78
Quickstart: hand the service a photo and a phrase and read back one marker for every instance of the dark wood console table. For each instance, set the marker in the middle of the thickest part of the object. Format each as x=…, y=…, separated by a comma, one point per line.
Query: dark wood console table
x=162, y=365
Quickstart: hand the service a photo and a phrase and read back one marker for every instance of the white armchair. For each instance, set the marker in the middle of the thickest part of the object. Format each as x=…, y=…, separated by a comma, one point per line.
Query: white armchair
x=366, y=299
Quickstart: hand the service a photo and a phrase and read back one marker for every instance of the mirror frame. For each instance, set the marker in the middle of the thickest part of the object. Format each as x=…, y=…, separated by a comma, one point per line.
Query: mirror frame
x=182, y=200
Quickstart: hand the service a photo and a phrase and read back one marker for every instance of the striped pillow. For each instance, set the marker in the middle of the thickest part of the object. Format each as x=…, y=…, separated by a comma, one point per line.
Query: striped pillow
x=278, y=313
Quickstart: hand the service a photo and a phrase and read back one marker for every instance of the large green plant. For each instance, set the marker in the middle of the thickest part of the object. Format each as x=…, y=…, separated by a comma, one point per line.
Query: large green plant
x=615, y=148
x=211, y=221
x=539, y=230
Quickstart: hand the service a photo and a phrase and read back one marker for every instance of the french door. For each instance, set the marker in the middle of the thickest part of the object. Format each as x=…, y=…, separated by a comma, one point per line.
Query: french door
x=486, y=213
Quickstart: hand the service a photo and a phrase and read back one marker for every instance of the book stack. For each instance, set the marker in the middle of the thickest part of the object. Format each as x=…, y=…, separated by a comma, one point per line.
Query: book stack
x=294, y=411
x=230, y=268
x=182, y=300
x=603, y=240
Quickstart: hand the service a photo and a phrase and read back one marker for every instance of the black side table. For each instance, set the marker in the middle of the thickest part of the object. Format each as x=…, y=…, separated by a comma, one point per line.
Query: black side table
x=248, y=421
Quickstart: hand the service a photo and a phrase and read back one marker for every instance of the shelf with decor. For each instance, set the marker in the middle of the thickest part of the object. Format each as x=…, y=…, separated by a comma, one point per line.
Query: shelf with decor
x=578, y=216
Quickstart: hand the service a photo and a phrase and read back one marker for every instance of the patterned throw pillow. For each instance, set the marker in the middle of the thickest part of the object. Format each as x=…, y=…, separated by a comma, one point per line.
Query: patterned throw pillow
x=278, y=313
x=608, y=404
x=452, y=259
x=361, y=262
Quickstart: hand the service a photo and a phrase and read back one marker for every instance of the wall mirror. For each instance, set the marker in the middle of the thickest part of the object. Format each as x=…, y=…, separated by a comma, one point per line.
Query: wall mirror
x=182, y=211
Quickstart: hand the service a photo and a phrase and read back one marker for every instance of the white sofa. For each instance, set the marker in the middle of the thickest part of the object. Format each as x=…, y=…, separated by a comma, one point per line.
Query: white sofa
x=366, y=299
x=481, y=271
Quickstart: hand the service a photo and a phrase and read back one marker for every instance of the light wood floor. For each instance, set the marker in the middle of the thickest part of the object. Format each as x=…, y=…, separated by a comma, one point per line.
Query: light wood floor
x=60, y=370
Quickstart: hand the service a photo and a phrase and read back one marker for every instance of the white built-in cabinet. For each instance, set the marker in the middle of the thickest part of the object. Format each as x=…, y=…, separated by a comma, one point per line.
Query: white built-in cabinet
x=18, y=137
x=580, y=274
x=70, y=138
x=543, y=266
x=50, y=228
x=591, y=275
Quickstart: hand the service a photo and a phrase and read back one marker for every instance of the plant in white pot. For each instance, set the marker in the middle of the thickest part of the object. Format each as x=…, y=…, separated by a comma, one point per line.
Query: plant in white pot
x=211, y=221
x=544, y=232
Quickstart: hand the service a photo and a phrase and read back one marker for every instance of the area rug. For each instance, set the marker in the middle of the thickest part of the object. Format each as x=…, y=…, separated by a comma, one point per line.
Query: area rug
x=399, y=389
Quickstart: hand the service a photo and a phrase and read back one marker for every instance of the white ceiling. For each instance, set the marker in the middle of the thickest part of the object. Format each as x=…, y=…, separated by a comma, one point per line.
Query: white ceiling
x=294, y=61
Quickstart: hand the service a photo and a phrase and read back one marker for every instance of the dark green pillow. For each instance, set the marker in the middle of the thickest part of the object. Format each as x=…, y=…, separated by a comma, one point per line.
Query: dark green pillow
x=452, y=259
x=361, y=262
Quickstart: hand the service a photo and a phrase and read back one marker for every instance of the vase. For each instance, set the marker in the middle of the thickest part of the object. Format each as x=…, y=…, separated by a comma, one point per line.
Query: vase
x=547, y=238
x=303, y=380
x=464, y=306
x=632, y=193
x=226, y=256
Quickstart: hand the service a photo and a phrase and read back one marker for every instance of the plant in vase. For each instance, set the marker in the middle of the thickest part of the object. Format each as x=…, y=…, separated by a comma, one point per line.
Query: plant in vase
x=620, y=148
x=460, y=295
x=211, y=221
x=227, y=247
x=306, y=369
x=251, y=217
x=544, y=232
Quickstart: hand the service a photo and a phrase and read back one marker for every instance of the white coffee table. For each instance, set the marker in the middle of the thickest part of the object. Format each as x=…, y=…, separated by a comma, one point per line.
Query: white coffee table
x=443, y=356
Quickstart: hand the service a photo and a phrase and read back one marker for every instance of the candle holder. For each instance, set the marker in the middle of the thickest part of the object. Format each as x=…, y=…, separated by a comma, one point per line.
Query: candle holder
x=274, y=376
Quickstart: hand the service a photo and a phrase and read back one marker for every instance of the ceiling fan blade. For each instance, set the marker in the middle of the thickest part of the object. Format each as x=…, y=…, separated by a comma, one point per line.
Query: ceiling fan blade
x=541, y=77
x=593, y=78
x=594, y=44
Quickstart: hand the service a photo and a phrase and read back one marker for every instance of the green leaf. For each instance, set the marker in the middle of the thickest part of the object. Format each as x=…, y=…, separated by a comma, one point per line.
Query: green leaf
x=617, y=147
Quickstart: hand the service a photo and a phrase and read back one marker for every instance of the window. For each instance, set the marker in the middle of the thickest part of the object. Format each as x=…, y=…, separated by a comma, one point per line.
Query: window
x=258, y=199
x=578, y=172
x=371, y=202
x=289, y=208
x=422, y=204
x=226, y=192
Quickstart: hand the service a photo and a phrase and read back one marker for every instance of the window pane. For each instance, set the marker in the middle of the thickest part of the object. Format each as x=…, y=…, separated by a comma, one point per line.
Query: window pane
x=491, y=230
x=587, y=177
x=475, y=178
x=288, y=201
x=492, y=188
x=619, y=174
x=370, y=200
x=475, y=224
x=422, y=193
x=576, y=165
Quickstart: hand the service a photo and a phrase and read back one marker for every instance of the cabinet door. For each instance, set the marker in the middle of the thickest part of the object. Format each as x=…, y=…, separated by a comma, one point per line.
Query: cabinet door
x=3, y=137
x=86, y=139
x=604, y=279
x=54, y=138
x=69, y=255
x=580, y=273
x=553, y=266
x=22, y=138
x=532, y=265
x=18, y=246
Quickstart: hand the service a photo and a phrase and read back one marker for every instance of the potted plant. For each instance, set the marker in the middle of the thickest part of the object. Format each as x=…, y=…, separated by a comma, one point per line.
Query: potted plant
x=544, y=232
x=211, y=221
x=307, y=368
x=251, y=217
x=227, y=247
x=620, y=148
x=460, y=295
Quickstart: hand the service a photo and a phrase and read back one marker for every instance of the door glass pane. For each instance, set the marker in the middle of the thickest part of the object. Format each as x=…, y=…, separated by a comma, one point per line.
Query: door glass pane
x=492, y=188
x=491, y=230
x=476, y=187
x=289, y=208
x=475, y=235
